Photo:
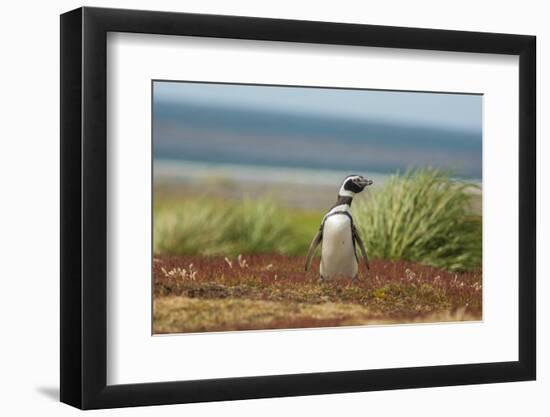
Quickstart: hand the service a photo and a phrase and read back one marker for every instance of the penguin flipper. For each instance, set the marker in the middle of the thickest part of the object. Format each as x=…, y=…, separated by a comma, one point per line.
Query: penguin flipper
x=359, y=241
x=313, y=246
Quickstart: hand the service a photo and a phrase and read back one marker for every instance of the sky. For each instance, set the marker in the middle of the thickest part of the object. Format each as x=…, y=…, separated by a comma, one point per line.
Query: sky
x=317, y=128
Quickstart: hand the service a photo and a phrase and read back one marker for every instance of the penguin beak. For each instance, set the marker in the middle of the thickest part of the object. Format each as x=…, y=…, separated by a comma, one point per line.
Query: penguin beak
x=364, y=182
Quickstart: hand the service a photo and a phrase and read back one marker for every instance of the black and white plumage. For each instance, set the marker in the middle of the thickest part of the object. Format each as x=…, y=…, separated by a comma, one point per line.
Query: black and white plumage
x=338, y=235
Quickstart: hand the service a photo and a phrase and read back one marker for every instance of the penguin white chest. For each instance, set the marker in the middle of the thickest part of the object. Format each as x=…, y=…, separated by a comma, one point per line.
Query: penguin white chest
x=338, y=253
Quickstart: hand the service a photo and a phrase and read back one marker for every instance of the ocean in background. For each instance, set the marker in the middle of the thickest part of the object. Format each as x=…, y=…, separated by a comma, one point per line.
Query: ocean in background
x=310, y=136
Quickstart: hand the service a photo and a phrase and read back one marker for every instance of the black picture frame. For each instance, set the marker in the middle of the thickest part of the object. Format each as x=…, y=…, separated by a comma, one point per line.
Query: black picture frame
x=84, y=207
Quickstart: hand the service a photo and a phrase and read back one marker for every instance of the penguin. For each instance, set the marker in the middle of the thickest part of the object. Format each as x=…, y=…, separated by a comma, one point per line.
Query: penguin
x=339, y=235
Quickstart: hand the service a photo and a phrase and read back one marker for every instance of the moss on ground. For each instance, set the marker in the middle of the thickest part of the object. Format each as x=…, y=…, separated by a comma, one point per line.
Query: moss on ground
x=197, y=294
x=185, y=315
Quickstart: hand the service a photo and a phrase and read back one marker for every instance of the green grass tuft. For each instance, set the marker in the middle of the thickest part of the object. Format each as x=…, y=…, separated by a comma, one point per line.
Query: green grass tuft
x=421, y=216
x=210, y=227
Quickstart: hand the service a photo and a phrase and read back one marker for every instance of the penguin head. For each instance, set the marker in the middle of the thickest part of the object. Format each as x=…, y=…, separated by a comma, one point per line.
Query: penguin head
x=352, y=185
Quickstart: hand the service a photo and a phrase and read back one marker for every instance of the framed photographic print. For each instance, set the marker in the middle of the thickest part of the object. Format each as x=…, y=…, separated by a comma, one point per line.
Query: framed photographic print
x=257, y=208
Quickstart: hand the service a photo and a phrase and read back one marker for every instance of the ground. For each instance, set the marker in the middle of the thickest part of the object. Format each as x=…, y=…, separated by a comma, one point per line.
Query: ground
x=201, y=294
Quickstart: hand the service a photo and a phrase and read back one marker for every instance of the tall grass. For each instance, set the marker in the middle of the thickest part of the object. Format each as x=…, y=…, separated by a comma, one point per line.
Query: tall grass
x=210, y=227
x=421, y=216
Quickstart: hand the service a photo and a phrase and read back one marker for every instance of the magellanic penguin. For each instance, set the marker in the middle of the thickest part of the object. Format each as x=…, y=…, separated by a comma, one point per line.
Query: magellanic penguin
x=339, y=236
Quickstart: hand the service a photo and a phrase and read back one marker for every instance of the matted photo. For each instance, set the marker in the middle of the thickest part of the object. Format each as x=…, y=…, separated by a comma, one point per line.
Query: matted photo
x=328, y=185
x=285, y=207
